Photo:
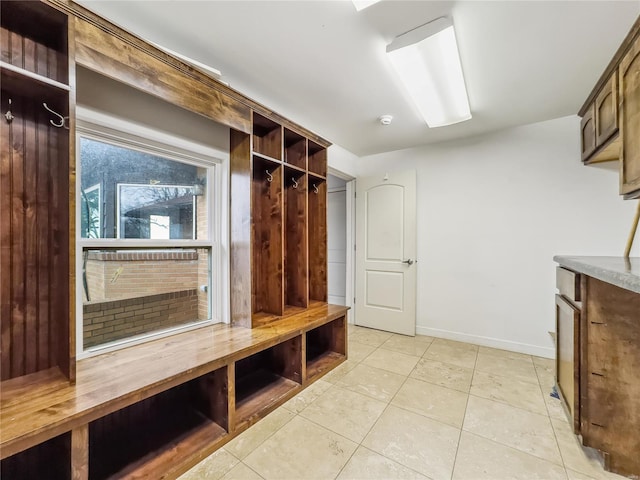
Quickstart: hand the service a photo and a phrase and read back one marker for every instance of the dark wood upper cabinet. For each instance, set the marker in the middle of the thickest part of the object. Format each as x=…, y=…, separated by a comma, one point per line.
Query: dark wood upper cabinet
x=610, y=126
x=630, y=121
x=587, y=134
x=606, y=110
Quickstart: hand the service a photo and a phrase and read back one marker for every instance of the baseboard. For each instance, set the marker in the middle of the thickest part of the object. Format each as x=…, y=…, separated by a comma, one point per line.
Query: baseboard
x=526, y=348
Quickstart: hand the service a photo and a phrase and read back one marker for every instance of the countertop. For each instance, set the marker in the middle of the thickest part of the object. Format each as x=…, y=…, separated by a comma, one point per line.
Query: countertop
x=619, y=271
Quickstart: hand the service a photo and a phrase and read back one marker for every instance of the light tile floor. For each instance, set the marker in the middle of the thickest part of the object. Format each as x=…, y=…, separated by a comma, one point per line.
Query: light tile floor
x=414, y=408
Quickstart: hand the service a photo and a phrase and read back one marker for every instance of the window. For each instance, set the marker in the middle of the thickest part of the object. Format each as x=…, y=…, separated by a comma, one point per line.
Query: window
x=147, y=254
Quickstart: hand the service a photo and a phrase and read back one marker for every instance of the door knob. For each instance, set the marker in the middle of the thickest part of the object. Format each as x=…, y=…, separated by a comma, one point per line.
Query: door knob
x=408, y=262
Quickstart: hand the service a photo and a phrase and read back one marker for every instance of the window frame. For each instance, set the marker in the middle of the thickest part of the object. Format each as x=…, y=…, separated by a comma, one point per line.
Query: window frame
x=105, y=128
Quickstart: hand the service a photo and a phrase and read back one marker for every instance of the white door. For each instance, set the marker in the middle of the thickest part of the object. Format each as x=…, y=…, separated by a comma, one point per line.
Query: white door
x=337, y=244
x=386, y=252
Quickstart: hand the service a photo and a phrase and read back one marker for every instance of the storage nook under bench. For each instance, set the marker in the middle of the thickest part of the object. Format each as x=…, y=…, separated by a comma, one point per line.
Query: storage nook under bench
x=155, y=410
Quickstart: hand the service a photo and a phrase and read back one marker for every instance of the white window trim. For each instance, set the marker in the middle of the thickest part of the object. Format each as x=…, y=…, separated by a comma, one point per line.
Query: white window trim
x=107, y=128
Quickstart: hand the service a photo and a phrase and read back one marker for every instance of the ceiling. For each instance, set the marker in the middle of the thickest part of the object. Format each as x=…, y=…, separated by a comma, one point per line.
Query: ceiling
x=323, y=65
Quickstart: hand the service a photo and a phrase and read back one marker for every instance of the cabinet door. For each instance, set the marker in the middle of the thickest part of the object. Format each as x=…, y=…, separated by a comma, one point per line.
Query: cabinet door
x=567, y=357
x=630, y=121
x=606, y=110
x=587, y=134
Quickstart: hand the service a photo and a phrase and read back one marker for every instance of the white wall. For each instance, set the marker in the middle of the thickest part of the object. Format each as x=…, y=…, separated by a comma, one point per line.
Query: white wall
x=342, y=160
x=492, y=212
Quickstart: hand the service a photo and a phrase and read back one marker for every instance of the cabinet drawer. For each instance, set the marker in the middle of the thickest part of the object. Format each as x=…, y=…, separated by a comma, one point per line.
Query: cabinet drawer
x=568, y=284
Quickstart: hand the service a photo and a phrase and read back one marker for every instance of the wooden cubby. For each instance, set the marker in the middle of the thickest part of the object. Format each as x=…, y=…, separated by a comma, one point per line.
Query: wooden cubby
x=50, y=460
x=295, y=149
x=267, y=137
x=317, y=159
x=265, y=378
x=35, y=191
x=296, y=276
x=34, y=41
x=317, y=194
x=287, y=224
x=326, y=347
x=142, y=438
x=267, y=241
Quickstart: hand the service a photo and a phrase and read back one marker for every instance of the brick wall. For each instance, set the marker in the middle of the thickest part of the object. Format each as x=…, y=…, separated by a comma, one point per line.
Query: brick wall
x=114, y=320
x=118, y=275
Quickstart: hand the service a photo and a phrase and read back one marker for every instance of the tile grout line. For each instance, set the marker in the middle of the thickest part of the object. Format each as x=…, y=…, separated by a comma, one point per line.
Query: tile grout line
x=553, y=429
x=464, y=417
x=359, y=444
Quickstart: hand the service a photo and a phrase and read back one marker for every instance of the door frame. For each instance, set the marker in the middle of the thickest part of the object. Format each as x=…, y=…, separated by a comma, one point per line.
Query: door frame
x=351, y=240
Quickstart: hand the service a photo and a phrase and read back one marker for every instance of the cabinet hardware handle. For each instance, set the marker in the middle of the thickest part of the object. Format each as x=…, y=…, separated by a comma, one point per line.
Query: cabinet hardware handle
x=597, y=374
x=598, y=323
x=597, y=425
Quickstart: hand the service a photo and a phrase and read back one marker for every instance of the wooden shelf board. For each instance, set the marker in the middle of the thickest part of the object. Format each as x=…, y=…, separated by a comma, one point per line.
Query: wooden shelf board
x=258, y=391
x=263, y=318
x=313, y=175
x=160, y=463
x=266, y=157
x=11, y=72
x=111, y=381
x=323, y=363
x=290, y=166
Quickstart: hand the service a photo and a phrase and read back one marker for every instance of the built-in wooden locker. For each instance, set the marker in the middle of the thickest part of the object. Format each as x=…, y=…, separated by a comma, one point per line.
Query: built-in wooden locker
x=35, y=191
x=278, y=222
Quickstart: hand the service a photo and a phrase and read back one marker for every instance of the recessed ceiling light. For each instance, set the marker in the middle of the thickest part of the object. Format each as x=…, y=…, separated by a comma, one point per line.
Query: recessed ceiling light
x=428, y=63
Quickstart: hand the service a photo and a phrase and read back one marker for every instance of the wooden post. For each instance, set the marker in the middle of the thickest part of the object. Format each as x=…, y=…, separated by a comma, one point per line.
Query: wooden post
x=80, y=452
x=632, y=233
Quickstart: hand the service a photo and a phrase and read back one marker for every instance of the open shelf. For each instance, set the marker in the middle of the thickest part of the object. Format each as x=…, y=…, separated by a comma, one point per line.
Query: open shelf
x=295, y=239
x=50, y=460
x=24, y=82
x=265, y=378
x=154, y=433
x=34, y=39
x=326, y=347
x=317, y=159
x=267, y=237
x=295, y=149
x=267, y=137
x=317, y=205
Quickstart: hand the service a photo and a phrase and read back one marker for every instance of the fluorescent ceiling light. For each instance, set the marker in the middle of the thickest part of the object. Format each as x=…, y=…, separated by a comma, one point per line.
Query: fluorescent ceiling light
x=362, y=4
x=428, y=63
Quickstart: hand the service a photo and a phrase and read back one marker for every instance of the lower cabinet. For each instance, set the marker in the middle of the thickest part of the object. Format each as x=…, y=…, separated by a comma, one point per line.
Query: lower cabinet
x=597, y=365
x=568, y=358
